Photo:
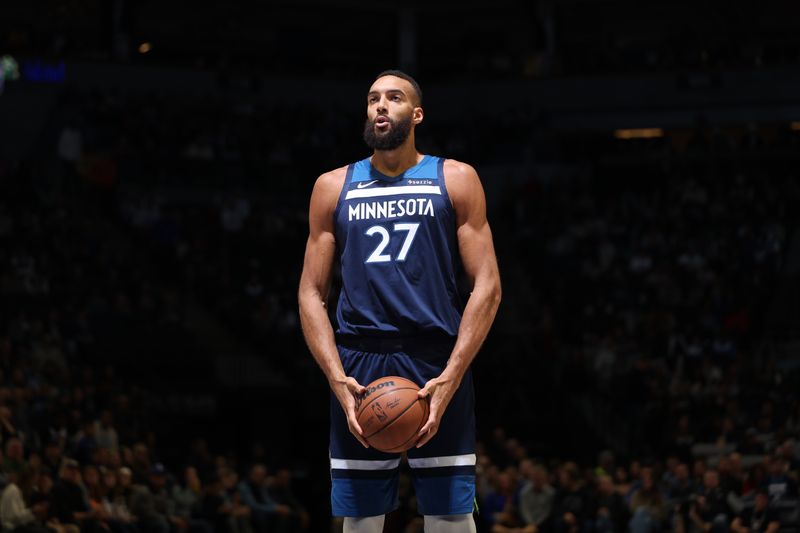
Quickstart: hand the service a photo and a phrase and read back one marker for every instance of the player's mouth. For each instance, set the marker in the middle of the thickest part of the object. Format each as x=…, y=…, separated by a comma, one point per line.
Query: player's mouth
x=382, y=122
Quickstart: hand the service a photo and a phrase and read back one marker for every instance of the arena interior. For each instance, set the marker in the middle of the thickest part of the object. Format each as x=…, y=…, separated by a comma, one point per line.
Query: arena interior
x=641, y=163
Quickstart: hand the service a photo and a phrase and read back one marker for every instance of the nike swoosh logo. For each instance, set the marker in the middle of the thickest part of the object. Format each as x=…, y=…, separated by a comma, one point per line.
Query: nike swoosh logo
x=367, y=184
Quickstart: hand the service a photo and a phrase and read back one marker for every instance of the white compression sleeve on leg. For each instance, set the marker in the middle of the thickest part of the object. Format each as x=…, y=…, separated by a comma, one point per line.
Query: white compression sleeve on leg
x=365, y=524
x=457, y=523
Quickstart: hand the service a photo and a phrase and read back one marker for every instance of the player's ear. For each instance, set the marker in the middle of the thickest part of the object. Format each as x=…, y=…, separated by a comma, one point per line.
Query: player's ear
x=418, y=115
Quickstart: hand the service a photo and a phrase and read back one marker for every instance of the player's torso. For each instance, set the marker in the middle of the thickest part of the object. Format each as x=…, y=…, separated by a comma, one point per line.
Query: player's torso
x=396, y=241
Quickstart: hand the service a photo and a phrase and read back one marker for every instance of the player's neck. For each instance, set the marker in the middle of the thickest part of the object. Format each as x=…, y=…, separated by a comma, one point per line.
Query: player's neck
x=395, y=162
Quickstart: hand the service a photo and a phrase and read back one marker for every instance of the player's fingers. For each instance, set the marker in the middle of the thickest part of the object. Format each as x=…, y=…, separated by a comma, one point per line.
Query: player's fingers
x=355, y=386
x=351, y=419
x=424, y=428
x=356, y=430
x=427, y=435
x=428, y=389
x=359, y=438
x=425, y=391
x=431, y=422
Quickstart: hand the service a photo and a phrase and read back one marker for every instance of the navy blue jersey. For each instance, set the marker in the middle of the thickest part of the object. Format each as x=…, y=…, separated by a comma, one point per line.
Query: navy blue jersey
x=396, y=240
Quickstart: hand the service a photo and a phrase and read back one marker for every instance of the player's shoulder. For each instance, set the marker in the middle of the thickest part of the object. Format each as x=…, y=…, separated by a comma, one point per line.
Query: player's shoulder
x=459, y=170
x=329, y=184
x=461, y=179
x=332, y=179
x=327, y=188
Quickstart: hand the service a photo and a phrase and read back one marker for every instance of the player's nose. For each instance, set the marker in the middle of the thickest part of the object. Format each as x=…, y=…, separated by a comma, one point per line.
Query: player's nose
x=382, y=105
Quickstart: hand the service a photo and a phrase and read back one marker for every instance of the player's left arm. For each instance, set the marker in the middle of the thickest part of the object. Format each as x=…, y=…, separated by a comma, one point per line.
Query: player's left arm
x=480, y=265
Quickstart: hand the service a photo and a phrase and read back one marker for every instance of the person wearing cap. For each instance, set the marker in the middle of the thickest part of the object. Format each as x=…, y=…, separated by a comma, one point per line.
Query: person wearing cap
x=69, y=504
x=147, y=505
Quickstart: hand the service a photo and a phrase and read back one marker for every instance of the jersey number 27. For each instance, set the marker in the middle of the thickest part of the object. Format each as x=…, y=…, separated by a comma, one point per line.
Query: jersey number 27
x=377, y=255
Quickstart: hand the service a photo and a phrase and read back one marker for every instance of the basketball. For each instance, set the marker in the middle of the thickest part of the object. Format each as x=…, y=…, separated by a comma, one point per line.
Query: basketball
x=390, y=413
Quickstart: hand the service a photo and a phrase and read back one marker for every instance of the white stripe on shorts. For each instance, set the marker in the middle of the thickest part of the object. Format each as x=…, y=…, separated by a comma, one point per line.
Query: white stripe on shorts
x=356, y=464
x=447, y=460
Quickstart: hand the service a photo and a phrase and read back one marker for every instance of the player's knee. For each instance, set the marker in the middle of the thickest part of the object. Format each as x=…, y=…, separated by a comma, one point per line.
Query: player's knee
x=364, y=524
x=457, y=523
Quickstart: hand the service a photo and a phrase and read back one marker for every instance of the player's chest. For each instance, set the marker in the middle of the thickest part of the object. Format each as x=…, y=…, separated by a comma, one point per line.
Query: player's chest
x=420, y=199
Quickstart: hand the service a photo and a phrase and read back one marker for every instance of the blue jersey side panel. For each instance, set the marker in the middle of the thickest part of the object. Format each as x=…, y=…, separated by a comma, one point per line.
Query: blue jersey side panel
x=397, y=245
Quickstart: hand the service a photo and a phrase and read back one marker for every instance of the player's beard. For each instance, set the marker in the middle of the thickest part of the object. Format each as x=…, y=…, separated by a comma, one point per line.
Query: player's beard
x=399, y=131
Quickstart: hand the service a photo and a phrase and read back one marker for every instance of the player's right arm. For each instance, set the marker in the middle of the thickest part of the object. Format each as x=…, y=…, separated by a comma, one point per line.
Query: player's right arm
x=315, y=283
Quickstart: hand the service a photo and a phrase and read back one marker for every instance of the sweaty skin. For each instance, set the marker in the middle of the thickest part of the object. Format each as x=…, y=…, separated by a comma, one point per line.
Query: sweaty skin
x=395, y=98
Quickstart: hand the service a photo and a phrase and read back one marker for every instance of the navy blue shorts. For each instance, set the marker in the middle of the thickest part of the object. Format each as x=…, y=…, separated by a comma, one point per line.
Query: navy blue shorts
x=365, y=481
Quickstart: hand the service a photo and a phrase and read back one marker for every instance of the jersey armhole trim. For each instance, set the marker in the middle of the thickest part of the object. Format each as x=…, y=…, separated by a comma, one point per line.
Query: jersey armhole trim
x=442, y=183
x=343, y=192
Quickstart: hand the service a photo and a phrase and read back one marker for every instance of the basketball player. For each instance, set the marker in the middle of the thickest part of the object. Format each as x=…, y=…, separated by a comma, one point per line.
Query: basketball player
x=399, y=223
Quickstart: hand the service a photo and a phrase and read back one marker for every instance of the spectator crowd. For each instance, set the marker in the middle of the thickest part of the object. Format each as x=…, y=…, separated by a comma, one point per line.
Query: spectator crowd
x=646, y=295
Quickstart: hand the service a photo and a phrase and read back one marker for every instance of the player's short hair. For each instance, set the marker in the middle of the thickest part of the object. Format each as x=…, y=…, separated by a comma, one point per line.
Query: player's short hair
x=400, y=74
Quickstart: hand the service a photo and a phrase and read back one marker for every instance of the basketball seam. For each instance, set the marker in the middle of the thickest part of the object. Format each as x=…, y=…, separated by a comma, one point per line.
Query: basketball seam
x=424, y=419
x=414, y=387
x=358, y=415
x=395, y=419
x=361, y=411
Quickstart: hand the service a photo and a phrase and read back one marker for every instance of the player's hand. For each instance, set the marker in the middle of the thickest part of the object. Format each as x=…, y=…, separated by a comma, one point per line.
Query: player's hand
x=346, y=392
x=439, y=392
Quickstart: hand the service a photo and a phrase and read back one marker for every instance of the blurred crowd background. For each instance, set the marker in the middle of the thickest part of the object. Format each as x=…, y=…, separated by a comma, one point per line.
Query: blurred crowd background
x=641, y=170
